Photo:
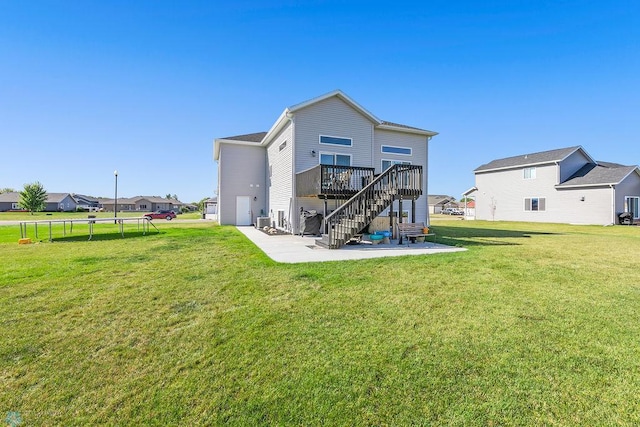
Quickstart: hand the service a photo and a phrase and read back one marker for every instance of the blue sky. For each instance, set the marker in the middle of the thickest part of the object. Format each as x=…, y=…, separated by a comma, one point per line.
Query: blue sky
x=144, y=87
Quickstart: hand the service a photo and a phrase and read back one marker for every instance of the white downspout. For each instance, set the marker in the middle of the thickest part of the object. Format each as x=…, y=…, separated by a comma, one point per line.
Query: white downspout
x=293, y=217
x=613, y=204
x=426, y=185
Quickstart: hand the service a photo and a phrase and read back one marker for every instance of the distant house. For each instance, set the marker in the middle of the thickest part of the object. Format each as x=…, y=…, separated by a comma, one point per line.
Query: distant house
x=142, y=204
x=211, y=206
x=437, y=202
x=86, y=202
x=9, y=201
x=62, y=202
x=565, y=185
x=56, y=202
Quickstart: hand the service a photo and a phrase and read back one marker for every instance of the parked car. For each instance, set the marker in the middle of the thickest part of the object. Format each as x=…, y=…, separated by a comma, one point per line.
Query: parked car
x=168, y=215
x=452, y=211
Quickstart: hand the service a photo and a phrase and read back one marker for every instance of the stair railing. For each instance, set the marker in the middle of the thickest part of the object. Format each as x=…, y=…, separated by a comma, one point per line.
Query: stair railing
x=352, y=216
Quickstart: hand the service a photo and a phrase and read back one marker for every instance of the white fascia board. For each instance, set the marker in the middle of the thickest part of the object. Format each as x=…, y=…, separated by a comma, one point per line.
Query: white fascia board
x=469, y=191
x=277, y=127
x=600, y=184
x=407, y=130
x=579, y=148
x=526, y=165
x=340, y=95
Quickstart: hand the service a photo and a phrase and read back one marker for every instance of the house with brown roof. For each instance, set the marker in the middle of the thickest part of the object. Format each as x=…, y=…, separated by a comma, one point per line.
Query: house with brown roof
x=142, y=204
x=327, y=155
x=564, y=185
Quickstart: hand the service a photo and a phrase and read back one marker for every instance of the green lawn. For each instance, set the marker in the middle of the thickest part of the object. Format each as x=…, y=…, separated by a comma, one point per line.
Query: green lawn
x=535, y=324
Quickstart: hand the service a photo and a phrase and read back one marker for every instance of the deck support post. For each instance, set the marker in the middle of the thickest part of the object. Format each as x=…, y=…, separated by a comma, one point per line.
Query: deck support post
x=400, y=218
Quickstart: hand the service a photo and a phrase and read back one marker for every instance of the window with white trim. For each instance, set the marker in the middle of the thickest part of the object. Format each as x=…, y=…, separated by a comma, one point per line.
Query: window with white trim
x=392, y=149
x=335, y=159
x=529, y=173
x=336, y=140
x=632, y=205
x=386, y=163
x=15, y=206
x=535, y=204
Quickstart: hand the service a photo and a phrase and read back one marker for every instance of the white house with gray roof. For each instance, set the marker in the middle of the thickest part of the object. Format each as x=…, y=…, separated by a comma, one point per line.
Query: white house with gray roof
x=564, y=186
x=318, y=155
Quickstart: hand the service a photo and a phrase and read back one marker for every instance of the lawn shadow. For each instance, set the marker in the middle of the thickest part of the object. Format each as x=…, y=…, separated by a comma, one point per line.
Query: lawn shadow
x=471, y=236
x=100, y=236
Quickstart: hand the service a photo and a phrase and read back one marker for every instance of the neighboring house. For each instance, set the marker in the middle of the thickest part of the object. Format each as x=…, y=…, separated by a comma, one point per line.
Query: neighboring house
x=55, y=202
x=565, y=186
x=9, y=201
x=142, y=204
x=211, y=208
x=63, y=202
x=316, y=156
x=87, y=202
x=437, y=202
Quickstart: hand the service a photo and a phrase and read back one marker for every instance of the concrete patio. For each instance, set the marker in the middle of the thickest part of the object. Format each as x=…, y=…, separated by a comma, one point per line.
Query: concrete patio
x=296, y=249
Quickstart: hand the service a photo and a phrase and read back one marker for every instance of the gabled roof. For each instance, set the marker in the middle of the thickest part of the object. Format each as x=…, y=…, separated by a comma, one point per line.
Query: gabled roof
x=263, y=138
x=250, y=137
x=541, y=158
x=602, y=173
x=14, y=197
x=435, y=199
x=136, y=199
x=11, y=196
x=339, y=94
x=57, y=197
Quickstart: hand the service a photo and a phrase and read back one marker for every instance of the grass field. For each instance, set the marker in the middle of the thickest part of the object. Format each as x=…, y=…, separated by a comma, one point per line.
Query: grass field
x=535, y=324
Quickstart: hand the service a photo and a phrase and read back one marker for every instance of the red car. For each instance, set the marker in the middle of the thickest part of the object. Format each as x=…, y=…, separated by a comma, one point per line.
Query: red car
x=168, y=215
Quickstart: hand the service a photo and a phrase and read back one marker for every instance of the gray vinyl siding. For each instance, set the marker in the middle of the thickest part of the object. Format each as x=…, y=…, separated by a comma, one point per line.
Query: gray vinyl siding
x=596, y=208
x=630, y=187
x=332, y=117
x=419, y=149
x=507, y=189
x=241, y=172
x=571, y=165
x=280, y=175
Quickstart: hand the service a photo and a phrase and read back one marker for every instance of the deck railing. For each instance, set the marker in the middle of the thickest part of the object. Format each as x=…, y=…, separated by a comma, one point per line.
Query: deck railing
x=333, y=181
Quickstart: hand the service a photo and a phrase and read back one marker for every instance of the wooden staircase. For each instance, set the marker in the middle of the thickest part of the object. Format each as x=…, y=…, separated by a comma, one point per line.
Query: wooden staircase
x=358, y=212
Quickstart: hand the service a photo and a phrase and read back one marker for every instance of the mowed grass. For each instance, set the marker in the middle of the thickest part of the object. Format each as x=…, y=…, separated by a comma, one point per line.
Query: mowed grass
x=535, y=324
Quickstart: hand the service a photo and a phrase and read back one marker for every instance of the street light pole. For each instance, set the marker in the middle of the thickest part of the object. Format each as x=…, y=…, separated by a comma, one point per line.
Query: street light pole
x=115, y=206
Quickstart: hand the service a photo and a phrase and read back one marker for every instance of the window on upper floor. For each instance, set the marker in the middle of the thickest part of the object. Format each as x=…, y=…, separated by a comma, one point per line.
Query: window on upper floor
x=336, y=140
x=391, y=149
x=335, y=159
x=535, y=204
x=529, y=173
x=282, y=146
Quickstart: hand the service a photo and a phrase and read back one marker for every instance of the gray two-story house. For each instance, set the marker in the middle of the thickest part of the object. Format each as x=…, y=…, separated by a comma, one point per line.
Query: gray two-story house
x=564, y=186
x=328, y=154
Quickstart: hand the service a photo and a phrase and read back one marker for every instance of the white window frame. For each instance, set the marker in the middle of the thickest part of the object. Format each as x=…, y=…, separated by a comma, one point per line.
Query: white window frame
x=393, y=162
x=636, y=208
x=528, y=207
x=332, y=144
x=282, y=146
x=15, y=206
x=396, y=154
x=329, y=153
x=532, y=173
